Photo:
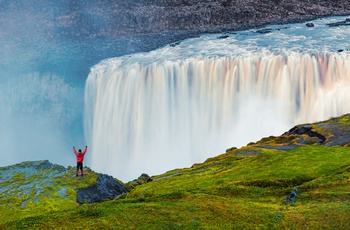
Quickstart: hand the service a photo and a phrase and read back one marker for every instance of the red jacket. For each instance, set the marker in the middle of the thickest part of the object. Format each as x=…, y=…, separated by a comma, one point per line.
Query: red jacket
x=80, y=155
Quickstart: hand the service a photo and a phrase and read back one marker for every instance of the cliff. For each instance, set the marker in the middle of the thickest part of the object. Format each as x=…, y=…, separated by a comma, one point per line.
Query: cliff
x=122, y=17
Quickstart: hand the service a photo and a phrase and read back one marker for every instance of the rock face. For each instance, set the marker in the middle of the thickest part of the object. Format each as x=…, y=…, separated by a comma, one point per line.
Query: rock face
x=106, y=188
x=153, y=16
x=300, y=130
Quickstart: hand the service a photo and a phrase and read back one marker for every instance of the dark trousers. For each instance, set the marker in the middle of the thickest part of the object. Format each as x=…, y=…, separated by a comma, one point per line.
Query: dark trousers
x=80, y=166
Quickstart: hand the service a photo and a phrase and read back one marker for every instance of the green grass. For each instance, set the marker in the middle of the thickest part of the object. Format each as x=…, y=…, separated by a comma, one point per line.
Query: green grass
x=229, y=191
x=225, y=192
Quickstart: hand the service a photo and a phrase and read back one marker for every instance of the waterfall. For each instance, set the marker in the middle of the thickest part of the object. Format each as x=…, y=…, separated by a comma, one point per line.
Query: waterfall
x=146, y=114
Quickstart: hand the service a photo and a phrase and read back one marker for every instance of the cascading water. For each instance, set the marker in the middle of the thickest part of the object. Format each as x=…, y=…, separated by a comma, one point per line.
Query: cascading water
x=172, y=107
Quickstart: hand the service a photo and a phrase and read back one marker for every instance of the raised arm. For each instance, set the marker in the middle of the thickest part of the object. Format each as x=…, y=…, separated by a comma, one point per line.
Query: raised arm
x=85, y=149
x=75, y=151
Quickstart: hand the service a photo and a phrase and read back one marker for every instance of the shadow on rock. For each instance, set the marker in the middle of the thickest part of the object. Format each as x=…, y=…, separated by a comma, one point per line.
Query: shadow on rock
x=106, y=188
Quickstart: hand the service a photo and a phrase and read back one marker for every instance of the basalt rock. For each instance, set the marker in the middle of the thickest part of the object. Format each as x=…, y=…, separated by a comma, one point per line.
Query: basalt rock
x=154, y=16
x=106, y=188
x=300, y=130
x=330, y=133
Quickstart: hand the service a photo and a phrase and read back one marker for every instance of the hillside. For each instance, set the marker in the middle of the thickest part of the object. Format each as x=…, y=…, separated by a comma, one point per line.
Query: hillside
x=299, y=180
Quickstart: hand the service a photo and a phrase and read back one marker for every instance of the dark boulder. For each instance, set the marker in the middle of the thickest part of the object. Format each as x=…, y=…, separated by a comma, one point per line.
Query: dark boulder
x=223, y=36
x=106, y=188
x=264, y=31
x=175, y=44
x=143, y=179
x=310, y=24
x=300, y=130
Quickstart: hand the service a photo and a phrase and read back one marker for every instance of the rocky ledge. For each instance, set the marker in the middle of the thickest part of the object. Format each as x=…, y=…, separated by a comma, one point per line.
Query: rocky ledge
x=35, y=182
x=105, y=188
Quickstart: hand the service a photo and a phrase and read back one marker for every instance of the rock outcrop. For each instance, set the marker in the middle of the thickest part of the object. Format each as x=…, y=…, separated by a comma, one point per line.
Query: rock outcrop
x=331, y=132
x=106, y=188
x=28, y=182
x=36, y=182
x=328, y=133
x=143, y=179
x=300, y=130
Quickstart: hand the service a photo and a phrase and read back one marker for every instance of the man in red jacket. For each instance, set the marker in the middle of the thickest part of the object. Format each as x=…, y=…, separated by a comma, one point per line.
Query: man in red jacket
x=80, y=158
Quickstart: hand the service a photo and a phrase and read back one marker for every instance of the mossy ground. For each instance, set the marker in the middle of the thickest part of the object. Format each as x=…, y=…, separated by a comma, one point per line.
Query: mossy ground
x=229, y=191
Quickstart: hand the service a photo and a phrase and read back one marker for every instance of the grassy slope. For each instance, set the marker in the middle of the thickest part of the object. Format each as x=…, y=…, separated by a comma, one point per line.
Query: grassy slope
x=225, y=192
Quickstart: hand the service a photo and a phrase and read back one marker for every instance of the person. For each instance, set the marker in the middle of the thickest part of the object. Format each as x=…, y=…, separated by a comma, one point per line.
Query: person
x=80, y=158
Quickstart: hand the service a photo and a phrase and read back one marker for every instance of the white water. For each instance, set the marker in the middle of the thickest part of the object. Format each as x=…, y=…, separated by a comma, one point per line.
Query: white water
x=172, y=107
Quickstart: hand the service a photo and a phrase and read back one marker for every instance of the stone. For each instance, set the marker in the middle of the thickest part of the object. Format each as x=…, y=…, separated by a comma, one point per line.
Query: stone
x=106, y=188
x=144, y=178
x=300, y=130
x=264, y=31
x=292, y=197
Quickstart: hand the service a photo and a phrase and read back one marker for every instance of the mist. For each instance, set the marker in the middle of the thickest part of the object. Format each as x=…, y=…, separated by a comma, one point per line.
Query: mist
x=40, y=119
x=46, y=50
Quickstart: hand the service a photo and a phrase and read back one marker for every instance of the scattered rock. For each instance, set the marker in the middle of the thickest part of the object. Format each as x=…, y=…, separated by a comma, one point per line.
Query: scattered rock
x=106, y=188
x=342, y=50
x=292, y=197
x=264, y=31
x=223, y=36
x=175, y=44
